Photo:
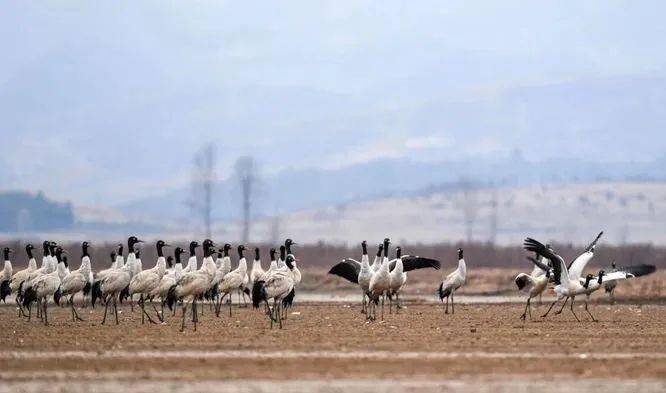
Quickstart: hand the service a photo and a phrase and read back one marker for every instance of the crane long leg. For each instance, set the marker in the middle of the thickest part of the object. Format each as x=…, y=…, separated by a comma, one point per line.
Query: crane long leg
x=106, y=308
x=46, y=315
x=363, y=310
x=589, y=313
x=572, y=311
x=279, y=313
x=446, y=311
x=383, y=299
x=195, y=314
x=160, y=315
x=182, y=325
x=230, y=304
x=75, y=314
x=562, y=308
x=390, y=300
x=453, y=308
x=529, y=308
x=144, y=312
x=527, y=304
x=398, y=306
x=20, y=307
x=115, y=308
x=549, y=308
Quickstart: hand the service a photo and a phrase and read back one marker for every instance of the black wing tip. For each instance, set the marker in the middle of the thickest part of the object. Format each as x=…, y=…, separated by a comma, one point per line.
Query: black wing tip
x=641, y=270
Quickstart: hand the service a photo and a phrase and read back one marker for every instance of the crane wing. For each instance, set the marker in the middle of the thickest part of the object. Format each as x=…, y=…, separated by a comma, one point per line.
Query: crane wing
x=347, y=269
x=411, y=262
x=559, y=267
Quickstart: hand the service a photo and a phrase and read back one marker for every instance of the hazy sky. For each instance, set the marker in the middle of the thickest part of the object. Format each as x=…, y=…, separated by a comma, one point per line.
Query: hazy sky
x=103, y=101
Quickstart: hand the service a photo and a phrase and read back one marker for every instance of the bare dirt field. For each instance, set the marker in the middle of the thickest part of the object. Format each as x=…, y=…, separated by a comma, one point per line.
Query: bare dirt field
x=330, y=347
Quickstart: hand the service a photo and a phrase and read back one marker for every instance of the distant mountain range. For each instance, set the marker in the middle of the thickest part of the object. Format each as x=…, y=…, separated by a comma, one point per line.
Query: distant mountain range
x=294, y=190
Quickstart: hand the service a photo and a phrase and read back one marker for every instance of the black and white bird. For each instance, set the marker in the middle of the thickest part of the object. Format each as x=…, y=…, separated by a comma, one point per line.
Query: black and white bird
x=453, y=282
x=20, y=276
x=118, y=280
x=398, y=272
x=144, y=282
x=77, y=280
x=380, y=285
x=288, y=301
x=192, y=285
x=356, y=272
x=276, y=286
x=533, y=284
x=169, y=279
x=6, y=275
x=234, y=280
x=44, y=287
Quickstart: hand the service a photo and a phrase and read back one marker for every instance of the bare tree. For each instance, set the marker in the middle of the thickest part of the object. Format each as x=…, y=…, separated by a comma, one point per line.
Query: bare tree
x=274, y=236
x=493, y=216
x=246, y=173
x=203, y=179
x=469, y=205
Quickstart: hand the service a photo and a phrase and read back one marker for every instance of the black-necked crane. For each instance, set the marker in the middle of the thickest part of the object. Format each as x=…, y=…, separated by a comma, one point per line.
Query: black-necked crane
x=357, y=272
x=77, y=280
x=117, y=262
x=276, y=285
x=452, y=282
x=192, y=285
x=119, y=279
x=6, y=275
x=533, y=284
x=146, y=281
x=169, y=279
x=233, y=281
x=398, y=269
x=20, y=276
x=44, y=287
x=380, y=284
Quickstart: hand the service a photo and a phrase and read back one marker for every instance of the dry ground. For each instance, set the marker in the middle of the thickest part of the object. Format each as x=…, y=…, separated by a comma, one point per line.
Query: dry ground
x=421, y=345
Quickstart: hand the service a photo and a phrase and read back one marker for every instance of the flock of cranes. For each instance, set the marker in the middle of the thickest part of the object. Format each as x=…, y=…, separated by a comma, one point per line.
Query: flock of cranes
x=167, y=281
x=567, y=279
x=172, y=284
x=385, y=278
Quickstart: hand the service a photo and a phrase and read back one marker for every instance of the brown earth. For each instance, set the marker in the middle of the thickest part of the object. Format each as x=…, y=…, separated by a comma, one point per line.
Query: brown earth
x=322, y=341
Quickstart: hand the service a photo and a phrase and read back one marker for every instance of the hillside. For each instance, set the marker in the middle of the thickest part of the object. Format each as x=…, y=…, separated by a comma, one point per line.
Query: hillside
x=626, y=211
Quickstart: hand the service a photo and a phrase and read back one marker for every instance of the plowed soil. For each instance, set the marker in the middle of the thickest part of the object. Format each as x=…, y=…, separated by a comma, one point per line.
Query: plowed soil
x=333, y=341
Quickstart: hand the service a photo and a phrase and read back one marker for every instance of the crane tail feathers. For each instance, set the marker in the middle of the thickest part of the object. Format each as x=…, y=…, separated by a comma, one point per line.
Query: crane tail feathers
x=96, y=292
x=289, y=299
x=5, y=290
x=258, y=293
x=57, y=295
x=443, y=292
x=171, y=297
